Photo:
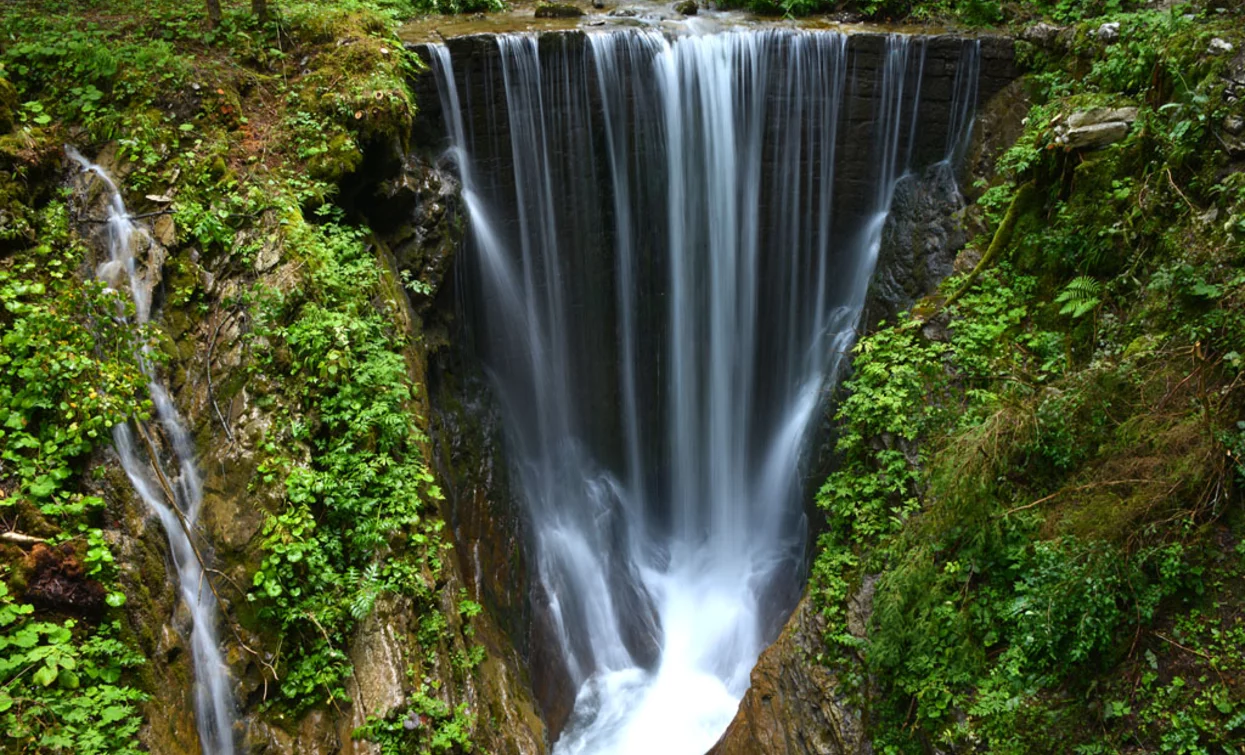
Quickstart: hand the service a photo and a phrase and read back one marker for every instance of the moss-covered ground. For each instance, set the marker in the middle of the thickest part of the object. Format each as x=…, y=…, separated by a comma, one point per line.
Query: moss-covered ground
x=1044, y=469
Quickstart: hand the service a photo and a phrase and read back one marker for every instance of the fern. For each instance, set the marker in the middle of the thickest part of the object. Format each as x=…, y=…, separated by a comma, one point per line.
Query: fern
x=369, y=590
x=1079, y=297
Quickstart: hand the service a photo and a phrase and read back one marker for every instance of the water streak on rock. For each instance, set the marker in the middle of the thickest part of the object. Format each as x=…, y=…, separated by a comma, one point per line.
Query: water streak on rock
x=155, y=479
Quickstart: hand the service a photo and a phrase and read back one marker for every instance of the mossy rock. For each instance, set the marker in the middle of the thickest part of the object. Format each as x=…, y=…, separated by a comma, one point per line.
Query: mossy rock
x=8, y=106
x=686, y=7
x=557, y=10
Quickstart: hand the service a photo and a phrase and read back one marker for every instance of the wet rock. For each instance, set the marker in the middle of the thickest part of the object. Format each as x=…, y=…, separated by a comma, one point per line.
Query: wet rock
x=557, y=10
x=378, y=655
x=686, y=7
x=1108, y=32
x=164, y=231
x=795, y=705
x=1234, y=124
x=922, y=235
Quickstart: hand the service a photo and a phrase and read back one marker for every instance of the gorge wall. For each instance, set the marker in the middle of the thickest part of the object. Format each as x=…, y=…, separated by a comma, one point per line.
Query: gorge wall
x=920, y=241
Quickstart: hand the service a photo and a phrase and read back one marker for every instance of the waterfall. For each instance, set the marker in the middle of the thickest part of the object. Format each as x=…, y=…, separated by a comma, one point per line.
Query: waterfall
x=163, y=485
x=671, y=243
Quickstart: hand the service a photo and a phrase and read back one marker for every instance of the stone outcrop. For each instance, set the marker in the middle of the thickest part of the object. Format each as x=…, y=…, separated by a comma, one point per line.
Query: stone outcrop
x=923, y=234
x=1095, y=128
x=796, y=705
x=557, y=10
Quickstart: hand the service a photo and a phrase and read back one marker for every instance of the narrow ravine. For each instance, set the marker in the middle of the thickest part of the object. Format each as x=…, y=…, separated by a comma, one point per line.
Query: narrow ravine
x=664, y=282
x=170, y=487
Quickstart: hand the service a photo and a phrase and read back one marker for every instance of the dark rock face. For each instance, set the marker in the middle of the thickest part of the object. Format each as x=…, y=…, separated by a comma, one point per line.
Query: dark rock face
x=478, y=72
x=922, y=236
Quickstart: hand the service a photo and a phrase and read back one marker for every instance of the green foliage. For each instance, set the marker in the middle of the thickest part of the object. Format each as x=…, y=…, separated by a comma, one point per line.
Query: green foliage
x=67, y=373
x=242, y=131
x=429, y=725
x=1044, y=508
x=1079, y=297
x=362, y=490
x=61, y=692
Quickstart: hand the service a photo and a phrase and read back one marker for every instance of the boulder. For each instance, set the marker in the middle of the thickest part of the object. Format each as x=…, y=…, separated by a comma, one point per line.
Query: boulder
x=1100, y=115
x=686, y=7
x=1219, y=46
x=1096, y=128
x=1108, y=32
x=1095, y=135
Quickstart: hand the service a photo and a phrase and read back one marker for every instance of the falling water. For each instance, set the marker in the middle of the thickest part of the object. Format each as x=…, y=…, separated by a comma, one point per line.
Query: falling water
x=665, y=295
x=164, y=485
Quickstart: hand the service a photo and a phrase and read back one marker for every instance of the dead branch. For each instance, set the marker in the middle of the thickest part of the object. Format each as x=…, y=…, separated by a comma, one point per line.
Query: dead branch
x=203, y=569
x=1078, y=488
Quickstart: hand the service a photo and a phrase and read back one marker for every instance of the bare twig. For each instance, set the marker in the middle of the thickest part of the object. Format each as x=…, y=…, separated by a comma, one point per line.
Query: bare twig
x=1172, y=181
x=1058, y=493
x=203, y=569
x=20, y=539
x=211, y=392
x=140, y=216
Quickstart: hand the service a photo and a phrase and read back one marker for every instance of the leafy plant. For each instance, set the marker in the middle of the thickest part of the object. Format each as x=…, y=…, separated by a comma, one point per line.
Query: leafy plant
x=1079, y=297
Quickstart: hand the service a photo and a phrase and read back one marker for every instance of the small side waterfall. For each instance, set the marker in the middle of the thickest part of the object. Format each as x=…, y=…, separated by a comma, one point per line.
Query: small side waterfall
x=171, y=488
x=670, y=262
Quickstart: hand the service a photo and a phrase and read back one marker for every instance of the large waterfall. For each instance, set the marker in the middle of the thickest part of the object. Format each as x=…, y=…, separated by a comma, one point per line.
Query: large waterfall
x=671, y=243
x=171, y=488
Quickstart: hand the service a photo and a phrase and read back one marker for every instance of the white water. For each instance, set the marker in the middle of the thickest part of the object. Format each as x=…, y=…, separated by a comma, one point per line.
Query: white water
x=214, y=704
x=665, y=298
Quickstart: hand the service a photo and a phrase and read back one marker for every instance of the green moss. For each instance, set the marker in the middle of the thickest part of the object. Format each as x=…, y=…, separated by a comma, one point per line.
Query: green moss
x=1053, y=508
x=8, y=105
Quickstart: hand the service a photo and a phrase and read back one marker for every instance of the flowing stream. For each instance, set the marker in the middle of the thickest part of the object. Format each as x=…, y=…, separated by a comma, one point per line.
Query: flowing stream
x=664, y=292
x=171, y=488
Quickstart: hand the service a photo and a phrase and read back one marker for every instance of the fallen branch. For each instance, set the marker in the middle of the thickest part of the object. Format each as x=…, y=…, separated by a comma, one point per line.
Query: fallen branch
x=140, y=216
x=1078, y=488
x=203, y=569
x=1002, y=237
x=20, y=539
x=211, y=392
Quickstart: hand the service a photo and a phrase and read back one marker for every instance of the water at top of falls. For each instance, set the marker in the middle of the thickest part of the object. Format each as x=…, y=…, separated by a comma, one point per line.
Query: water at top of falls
x=672, y=244
x=173, y=490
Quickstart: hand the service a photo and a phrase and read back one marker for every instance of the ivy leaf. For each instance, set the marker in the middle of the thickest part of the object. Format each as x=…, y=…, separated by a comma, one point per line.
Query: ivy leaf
x=115, y=599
